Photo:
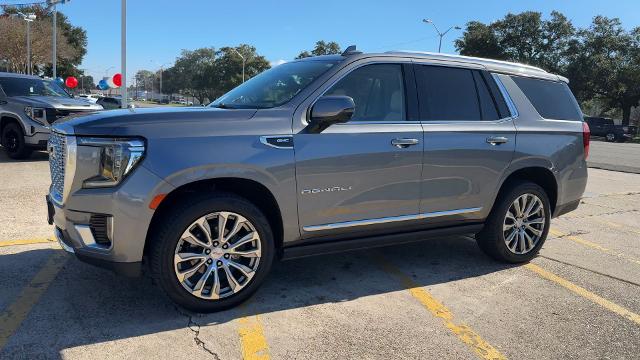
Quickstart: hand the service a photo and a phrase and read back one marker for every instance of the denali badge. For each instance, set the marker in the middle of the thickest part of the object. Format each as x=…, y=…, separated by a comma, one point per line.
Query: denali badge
x=329, y=189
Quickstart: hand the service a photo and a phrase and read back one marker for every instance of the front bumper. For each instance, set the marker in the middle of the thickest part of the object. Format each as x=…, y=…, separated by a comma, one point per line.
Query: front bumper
x=129, y=269
x=128, y=218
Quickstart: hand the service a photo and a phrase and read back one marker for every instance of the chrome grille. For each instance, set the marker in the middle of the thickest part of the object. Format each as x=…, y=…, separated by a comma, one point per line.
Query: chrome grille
x=57, y=158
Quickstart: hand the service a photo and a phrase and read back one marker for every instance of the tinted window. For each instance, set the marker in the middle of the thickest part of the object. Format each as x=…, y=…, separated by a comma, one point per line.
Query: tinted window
x=447, y=93
x=501, y=104
x=487, y=105
x=552, y=99
x=377, y=90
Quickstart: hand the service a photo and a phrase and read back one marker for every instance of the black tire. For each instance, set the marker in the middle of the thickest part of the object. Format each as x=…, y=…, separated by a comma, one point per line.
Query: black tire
x=165, y=239
x=611, y=137
x=491, y=239
x=13, y=142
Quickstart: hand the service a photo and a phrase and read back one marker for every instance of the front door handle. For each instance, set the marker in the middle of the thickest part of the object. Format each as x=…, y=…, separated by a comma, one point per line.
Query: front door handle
x=404, y=142
x=497, y=140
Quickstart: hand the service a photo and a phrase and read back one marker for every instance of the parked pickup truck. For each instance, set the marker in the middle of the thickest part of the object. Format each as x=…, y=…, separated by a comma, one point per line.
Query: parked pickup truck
x=319, y=155
x=28, y=105
x=609, y=130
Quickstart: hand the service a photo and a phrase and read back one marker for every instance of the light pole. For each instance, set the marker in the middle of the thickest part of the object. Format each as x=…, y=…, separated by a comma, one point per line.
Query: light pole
x=29, y=18
x=243, y=61
x=123, y=52
x=440, y=34
x=51, y=7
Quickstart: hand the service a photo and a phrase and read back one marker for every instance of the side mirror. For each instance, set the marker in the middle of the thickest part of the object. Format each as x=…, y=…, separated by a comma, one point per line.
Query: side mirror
x=329, y=110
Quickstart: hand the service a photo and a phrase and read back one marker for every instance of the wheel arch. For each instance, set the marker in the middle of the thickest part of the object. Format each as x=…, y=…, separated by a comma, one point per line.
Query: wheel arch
x=250, y=189
x=7, y=118
x=538, y=174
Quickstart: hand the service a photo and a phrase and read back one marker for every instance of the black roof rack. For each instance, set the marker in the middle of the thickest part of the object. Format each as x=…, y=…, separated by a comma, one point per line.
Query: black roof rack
x=351, y=50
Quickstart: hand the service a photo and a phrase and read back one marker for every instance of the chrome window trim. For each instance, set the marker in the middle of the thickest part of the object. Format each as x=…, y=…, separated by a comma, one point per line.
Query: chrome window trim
x=507, y=98
x=366, y=222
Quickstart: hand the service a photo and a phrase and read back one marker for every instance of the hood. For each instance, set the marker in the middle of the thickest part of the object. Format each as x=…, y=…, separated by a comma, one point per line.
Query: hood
x=57, y=102
x=153, y=122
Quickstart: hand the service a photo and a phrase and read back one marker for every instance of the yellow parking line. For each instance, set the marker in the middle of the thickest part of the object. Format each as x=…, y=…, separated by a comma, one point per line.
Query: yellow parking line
x=465, y=333
x=254, y=344
x=14, y=314
x=624, y=312
x=593, y=245
x=24, y=242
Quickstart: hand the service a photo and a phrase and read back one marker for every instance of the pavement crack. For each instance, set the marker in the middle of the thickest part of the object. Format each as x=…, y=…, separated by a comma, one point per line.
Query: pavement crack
x=619, y=212
x=572, y=233
x=590, y=270
x=195, y=329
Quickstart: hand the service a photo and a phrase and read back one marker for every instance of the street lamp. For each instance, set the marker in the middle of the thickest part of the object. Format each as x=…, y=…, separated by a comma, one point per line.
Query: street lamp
x=29, y=18
x=440, y=34
x=51, y=7
x=243, y=61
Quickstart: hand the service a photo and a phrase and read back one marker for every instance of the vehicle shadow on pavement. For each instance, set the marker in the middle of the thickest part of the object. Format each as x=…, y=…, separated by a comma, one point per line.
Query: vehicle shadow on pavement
x=86, y=305
x=36, y=156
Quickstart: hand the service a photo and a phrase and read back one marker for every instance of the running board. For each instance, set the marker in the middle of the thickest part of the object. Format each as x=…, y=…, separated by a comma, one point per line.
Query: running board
x=330, y=247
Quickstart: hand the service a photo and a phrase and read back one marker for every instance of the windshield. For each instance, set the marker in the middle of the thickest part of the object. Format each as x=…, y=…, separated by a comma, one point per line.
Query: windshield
x=14, y=86
x=273, y=87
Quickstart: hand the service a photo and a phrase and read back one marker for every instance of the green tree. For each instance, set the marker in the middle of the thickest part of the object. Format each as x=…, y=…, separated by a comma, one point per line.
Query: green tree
x=524, y=38
x=605, y=65
x=321, y=48
x=72, y=42
x=208, y=73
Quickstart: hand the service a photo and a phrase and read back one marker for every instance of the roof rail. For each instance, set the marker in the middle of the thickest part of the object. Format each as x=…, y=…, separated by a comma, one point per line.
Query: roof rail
x=351, y=50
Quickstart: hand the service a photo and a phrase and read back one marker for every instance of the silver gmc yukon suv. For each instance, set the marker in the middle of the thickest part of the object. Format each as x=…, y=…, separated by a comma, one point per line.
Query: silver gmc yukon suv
x=325, y=154
x=28, y=105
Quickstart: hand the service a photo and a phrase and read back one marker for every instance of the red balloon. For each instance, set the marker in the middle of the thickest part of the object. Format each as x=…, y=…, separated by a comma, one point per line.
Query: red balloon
x=71, y=82
x=117, y=79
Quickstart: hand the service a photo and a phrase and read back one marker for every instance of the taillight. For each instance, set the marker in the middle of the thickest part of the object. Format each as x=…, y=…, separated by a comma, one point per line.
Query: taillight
x=586, y=138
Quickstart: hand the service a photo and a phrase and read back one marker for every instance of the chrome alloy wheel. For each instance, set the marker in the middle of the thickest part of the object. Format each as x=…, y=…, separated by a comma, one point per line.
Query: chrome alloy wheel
x=524, y=224
x=217, y=255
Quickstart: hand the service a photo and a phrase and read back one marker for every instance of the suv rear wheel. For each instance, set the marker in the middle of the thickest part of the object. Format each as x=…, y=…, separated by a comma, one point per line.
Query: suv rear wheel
x=518, y=224
x=213, y=252
x=13, y=142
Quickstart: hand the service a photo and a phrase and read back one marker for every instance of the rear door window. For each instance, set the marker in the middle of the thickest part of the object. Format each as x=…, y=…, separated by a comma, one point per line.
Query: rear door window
x=447, y=93
x=552, y=99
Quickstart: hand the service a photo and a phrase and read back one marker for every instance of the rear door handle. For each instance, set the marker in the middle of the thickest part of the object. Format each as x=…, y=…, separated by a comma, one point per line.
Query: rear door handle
x=497, y=140
x=404, y=142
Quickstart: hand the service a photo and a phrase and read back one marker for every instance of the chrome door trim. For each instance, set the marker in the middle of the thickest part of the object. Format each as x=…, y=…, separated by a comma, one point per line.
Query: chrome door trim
x=390, y=219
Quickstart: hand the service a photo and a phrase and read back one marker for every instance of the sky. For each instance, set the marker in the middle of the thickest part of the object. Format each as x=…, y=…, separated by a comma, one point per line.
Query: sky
x=158, y=30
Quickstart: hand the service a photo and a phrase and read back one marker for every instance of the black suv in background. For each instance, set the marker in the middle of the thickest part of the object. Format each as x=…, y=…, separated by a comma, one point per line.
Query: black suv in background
x=609, y=130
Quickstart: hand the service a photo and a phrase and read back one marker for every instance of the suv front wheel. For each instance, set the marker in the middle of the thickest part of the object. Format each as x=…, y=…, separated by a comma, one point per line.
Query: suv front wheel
x=212, y=253
x=518, y=224
x=13, y=142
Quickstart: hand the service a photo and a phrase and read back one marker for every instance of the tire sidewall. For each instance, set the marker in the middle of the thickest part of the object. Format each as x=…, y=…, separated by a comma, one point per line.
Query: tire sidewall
x=21, y=151
x=170, y=235
x=499, y=213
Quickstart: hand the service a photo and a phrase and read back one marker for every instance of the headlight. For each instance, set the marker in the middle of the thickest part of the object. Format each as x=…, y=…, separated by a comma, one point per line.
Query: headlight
x=38, y=115
x=117, y=158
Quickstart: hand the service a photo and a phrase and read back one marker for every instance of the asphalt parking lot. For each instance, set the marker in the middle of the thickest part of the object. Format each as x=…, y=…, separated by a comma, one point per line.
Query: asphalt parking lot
x=615, y=156
x=436, y=299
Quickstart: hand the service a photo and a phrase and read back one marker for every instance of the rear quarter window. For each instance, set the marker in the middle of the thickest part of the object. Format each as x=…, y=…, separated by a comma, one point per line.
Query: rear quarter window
x=552, y=99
